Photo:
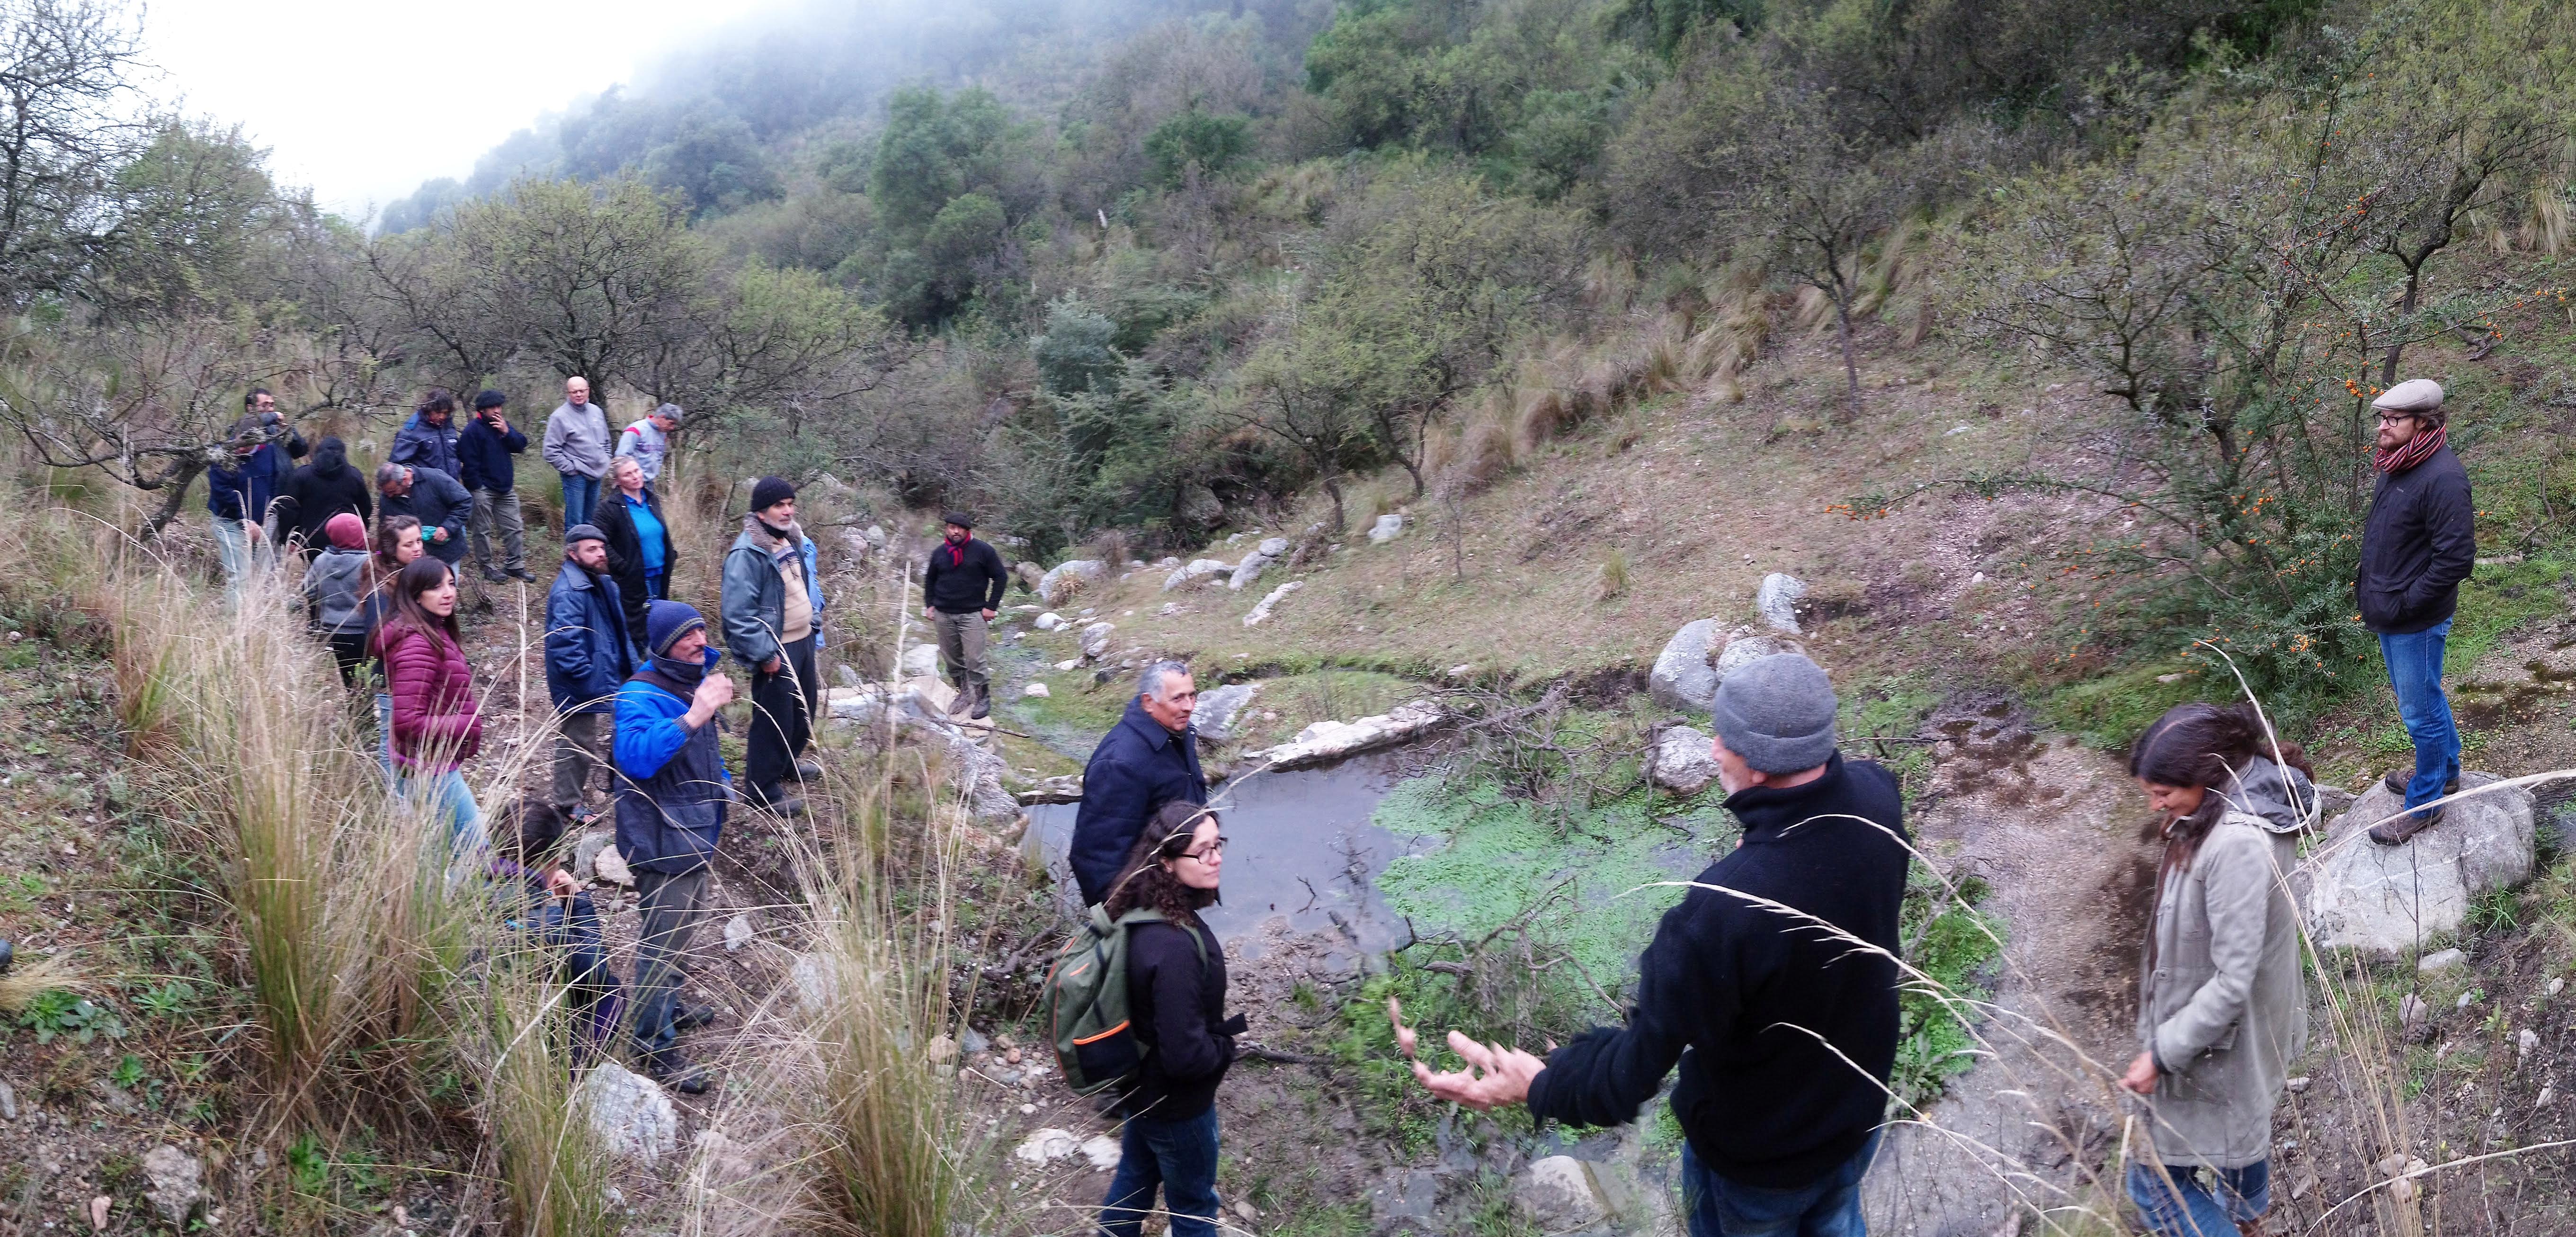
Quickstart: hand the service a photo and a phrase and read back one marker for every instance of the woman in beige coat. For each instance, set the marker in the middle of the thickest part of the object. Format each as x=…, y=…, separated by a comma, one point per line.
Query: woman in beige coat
x=2221, y=1011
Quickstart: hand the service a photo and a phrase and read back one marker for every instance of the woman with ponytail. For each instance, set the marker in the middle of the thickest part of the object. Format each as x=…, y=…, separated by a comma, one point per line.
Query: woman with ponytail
x=2221, y=1012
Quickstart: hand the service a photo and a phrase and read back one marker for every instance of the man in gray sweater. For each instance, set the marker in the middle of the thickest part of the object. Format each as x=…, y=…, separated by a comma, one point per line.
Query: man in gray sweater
x=576, y=446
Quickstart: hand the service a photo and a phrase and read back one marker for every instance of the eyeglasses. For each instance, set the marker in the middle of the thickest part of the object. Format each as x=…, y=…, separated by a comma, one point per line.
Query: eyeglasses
x=2392, y=418
x=1204, y=853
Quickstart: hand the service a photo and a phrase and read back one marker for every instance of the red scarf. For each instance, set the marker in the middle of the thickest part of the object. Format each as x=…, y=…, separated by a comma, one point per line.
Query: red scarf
x=956, y=554
x=2417, y=450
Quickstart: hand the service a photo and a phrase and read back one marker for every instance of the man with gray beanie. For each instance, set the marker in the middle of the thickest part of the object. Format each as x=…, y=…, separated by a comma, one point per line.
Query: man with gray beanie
x=1775, y=974
x=2418, y=543
x=588, y=657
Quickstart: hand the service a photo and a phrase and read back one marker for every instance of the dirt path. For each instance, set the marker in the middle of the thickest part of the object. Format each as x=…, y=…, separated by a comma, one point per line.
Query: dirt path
x=2052, y=829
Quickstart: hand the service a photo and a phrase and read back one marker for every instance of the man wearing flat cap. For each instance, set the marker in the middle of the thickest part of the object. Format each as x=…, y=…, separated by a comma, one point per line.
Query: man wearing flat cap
x=588, y=657
x=2418, y=542
x=961, y=590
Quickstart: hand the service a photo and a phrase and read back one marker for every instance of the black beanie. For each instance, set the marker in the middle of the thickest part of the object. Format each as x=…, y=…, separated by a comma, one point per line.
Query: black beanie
x=768, y=492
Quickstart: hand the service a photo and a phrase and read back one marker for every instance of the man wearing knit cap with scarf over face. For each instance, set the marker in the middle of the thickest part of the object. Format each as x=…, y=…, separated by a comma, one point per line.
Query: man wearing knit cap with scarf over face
x=2418, y=542
x=961, y=590
x=1765, y=974
x=769, y=605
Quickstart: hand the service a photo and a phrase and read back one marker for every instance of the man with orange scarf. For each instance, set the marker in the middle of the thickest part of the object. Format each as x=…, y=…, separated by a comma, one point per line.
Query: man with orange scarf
x=2417, y=544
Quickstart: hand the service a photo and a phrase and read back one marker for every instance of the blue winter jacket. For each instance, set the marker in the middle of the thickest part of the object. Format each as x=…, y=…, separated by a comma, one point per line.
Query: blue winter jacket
x=245, y=490
x=1138, y=767
x=672, y=786
x=422, y=445
x=587, y=654
x=483, y=456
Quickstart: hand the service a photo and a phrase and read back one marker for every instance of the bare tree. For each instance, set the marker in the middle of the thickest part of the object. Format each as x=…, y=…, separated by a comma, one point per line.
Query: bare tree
x=66, y=125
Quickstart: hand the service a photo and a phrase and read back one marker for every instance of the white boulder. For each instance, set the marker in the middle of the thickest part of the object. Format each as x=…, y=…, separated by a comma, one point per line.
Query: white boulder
x=1196, y=570
x=1682, y=677
x=1046, y=1146
x=1052, y=586
x=1095, y=638
x=1746, y=648
x=1218, y=710
x=631, y=1116
x=920, y=660
x=177, y=1183
x=1680, y=761
x=1777, y=601
x=1036, y=691
x=1102, y=1151
x=1388, y=527
x=738, y=932
x=1332, y=740
x=1559, y=1195
x=611, y=867
x=2389, y=900
x=1260, y=613
x=1258, y=561
x=1049, y=621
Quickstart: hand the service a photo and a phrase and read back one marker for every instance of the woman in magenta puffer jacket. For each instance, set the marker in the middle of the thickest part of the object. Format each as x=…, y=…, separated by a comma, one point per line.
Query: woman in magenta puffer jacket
x=437, y=725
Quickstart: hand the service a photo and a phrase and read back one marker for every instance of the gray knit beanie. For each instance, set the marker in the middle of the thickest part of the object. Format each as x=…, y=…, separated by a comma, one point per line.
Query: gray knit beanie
x=1777, y=713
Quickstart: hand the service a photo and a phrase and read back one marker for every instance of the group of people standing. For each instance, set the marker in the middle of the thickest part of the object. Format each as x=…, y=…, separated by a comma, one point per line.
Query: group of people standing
x=1772, y=987
x=632, y=675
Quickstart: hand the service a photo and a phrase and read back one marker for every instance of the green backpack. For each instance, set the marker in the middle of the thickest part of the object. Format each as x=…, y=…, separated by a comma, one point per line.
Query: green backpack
x=1086, y=1002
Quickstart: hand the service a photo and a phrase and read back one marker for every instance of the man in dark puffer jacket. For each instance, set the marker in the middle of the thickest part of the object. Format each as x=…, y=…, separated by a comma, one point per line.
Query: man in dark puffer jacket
x=1772, y=983
x=2418, y=543
x=672, y=793
x=324, y=488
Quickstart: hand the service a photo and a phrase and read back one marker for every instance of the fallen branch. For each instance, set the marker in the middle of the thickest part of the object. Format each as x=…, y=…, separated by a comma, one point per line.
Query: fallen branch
x=1260, y=1052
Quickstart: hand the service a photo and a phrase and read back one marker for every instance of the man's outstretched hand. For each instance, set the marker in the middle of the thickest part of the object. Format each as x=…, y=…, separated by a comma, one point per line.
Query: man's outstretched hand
x=1494, y=1075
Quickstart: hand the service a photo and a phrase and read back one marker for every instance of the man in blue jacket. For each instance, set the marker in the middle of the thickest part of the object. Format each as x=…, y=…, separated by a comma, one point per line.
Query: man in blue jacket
x=587, y=659
x=483, y=451
x=428, y=439
x=433, y=498
x=672, y=794
x=1150, y=758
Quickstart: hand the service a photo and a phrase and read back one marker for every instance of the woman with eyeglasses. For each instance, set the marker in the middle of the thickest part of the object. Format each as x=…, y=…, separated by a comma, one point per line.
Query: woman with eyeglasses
x=1176, y=1002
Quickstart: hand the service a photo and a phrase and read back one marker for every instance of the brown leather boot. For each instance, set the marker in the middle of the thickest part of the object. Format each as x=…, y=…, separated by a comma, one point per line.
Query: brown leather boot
x=2395, y=832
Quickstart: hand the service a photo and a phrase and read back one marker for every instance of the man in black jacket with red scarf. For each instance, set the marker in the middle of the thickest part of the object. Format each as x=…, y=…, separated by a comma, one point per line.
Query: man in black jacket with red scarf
x=2418, y=543
x=1773, y=984
x=961, y=590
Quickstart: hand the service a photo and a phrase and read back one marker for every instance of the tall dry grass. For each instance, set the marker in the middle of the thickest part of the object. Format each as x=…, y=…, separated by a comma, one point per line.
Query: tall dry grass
x=551, y=1159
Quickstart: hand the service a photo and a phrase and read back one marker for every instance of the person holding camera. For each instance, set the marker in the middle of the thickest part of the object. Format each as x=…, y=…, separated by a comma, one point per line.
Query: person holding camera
x=483, y=451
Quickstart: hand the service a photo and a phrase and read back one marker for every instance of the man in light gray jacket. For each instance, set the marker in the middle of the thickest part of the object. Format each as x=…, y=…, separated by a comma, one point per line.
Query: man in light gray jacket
x=576, y=446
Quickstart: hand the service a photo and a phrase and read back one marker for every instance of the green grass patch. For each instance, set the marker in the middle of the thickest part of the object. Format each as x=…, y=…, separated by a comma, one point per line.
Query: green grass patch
x=1954, y=944
x=2109, y=710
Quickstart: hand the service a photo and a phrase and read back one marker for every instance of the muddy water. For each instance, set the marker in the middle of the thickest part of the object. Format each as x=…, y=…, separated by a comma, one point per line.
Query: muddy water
x=1299, y=846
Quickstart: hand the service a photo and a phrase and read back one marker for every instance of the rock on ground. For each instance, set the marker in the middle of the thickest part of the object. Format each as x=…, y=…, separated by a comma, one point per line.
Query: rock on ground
x=1036, y=691
x=2390, y=900
x=2443, y=960
x=1102, y=1151
x=1049, y=621
x=1052, y=586
x=1680, y=761
x=1388, y=527
x=1218, y=710
x=1332, y=740
x=611, y=867
x=629, y=1113
x=1046, y=1146
x=178, y=1182
x=1258, y=561
x=1095, y=638
x=738, y=932
x=1777, y=601
x=1746, y=648
x=810, y=982
x=1682, y=677
x=920, y=660
x=1261, y=612
x=1196, y=570
x=1558, y=1195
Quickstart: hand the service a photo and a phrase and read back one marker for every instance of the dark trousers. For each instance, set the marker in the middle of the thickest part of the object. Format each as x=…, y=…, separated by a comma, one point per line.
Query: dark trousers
x=671, y=908
x=1715, y=1206
x=782, y=720
x=1179, y=1157
x=348, y=652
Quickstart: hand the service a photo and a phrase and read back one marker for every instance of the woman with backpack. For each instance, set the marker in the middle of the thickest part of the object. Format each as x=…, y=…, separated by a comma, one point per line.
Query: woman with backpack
x=1176, y=1002
x=437, y=725
x=2221, y=1010
x=335, y=586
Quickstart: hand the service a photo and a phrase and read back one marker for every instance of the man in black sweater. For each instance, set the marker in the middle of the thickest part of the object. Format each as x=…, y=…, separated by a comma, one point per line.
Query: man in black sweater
x=2418, y=543
x=961, y=590
x=1773, y=984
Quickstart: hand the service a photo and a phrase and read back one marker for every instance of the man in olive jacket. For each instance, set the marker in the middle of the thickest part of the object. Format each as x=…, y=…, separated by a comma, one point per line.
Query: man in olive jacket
x=2418, y=543
x=771, y=603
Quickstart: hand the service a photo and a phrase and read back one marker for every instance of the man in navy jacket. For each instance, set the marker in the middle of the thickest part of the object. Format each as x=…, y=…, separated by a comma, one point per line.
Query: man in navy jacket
x=587, y=659
x=483, y=451
x=672, y=796
x=2418, y=543
x=1150, y=758
x=1772, y=985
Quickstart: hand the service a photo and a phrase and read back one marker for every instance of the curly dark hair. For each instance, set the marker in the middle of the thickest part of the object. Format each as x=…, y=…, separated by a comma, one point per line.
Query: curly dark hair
x=1144, y=881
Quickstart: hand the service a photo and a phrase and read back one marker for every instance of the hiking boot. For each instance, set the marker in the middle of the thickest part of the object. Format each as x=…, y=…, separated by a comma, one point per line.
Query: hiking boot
x=965, y=700
x=806, y=771
x=2396, y=783
x=784, y=805
x=521, y=573
x=691, y=1017
x=677, y=1072
x=493, y=577
x=2395, y=832
x=983, y=703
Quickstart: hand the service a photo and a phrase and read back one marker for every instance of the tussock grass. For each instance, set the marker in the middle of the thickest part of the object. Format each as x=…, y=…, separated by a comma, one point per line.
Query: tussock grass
x=551, y=1161
x=23, y=983
x=1612, y=579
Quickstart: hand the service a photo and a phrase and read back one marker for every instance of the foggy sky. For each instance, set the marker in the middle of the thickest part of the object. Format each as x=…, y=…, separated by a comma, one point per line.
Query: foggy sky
x=363, y=102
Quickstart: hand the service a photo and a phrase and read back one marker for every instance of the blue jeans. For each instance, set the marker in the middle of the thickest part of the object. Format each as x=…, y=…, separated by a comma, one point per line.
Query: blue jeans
x=581, y=494
x=1829, y=1206
x=657, y=587
x=385, y=735
x=2415, y=670
x=239, y=554
x=1178, y=1156
x=466, y=841
x=2201, y=1202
